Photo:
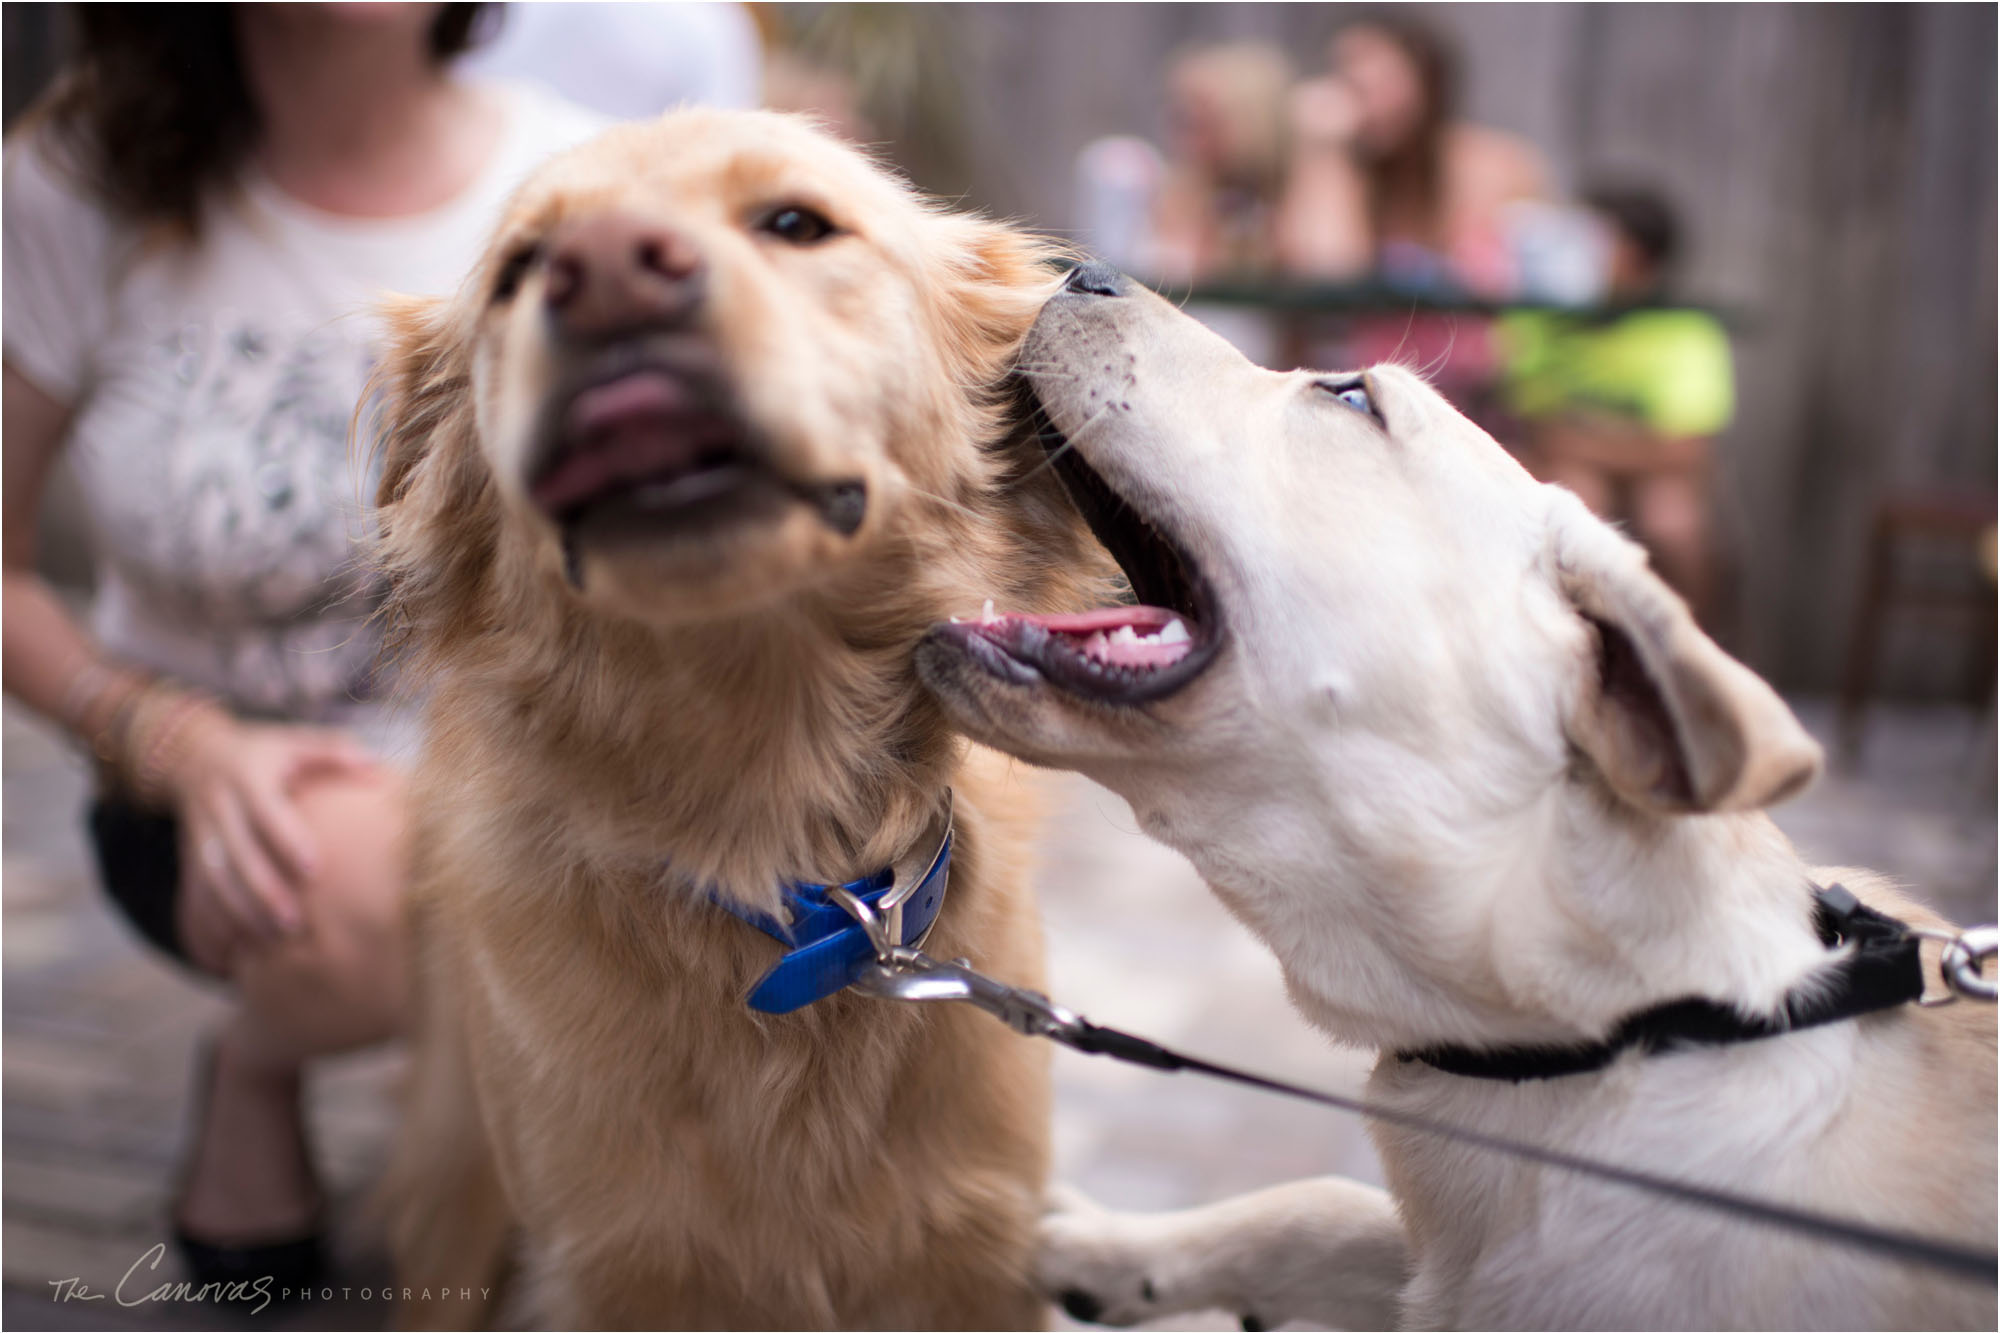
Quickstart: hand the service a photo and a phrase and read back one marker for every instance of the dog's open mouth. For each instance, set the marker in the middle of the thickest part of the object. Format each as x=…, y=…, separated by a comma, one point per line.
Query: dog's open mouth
x=1119, y=654
x=648, y=448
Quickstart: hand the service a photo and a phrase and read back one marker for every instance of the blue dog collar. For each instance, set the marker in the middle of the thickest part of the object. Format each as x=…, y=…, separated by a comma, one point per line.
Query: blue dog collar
x=827, y=947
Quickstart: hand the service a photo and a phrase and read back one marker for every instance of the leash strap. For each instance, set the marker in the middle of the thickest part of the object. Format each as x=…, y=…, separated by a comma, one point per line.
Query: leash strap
x=1882, y=970
x=908, y=974
x=1923, y=1250
x=827, y=949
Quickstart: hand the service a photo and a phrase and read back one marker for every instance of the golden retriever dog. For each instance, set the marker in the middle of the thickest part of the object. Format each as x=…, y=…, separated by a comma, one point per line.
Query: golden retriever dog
x=671, y=488
x=1446, y=744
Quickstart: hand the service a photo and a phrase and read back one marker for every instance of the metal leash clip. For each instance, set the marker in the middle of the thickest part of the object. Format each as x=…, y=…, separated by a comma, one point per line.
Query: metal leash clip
x=906, y=972
x=883, y=923
x=1964, y=960
x=910, y=974
x=871, y=922
x=903, y=972
x=1962, y=963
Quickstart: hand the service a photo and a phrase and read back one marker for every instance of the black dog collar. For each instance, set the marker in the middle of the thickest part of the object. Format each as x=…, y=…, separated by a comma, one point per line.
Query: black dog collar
x=1881, y=971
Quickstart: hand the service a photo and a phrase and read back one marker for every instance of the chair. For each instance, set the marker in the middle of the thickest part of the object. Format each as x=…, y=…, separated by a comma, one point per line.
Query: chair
x=1956, y=525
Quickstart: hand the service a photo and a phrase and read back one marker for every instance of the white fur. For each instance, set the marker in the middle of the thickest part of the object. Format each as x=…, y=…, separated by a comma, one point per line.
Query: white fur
x=1408, y=773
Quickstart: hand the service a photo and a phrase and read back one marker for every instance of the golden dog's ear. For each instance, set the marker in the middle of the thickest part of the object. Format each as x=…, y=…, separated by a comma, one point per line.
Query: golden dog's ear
x=434, y=502
x=1674, y=724
x=989, y=281
x=416, y=385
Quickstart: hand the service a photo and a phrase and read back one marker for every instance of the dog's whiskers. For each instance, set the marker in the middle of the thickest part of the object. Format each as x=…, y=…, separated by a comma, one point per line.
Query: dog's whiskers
x=1069, y=442
x=1396, y=352
x=944, y=501
x=1443, y=357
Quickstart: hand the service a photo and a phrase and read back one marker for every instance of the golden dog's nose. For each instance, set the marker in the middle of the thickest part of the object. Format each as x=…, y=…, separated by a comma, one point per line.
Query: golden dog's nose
x=612, y=274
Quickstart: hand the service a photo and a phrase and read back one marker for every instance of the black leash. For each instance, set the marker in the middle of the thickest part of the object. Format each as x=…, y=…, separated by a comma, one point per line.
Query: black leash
x=908, y=974
x=1982, y=1265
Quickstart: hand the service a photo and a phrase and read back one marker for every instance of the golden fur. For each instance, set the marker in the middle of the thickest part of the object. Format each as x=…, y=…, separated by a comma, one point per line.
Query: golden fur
x=731, y=717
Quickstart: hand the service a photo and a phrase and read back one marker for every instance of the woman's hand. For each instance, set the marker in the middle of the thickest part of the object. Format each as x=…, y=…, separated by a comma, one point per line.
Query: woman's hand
x=246, y=853
x=1325, y=226
x=1325, y=115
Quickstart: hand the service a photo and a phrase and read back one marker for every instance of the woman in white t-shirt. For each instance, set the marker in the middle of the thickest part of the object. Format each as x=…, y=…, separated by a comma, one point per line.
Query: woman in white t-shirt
x=197, y=222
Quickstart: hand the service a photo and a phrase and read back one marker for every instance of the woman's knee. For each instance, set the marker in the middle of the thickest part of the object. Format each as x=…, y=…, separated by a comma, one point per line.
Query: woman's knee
x=341, y=982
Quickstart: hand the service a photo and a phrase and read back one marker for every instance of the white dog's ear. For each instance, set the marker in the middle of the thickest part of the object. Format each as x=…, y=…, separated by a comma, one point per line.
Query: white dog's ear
x=1674, y=724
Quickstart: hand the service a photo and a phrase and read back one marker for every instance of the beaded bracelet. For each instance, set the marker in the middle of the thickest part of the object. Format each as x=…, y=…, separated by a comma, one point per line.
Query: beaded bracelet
x=104, y=741
x=152, y=750
x=86, y=688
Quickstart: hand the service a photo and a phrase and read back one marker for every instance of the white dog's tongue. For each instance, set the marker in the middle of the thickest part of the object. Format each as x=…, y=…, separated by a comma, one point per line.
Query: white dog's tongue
x=1147, y=637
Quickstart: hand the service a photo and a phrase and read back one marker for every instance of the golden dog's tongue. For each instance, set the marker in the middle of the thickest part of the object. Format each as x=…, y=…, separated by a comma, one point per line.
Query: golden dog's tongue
x=644, y=393
x=644, y=425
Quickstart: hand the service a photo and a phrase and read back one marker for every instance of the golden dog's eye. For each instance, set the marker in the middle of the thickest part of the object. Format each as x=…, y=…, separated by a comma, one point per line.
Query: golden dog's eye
x=798, y=224
x=514, y=271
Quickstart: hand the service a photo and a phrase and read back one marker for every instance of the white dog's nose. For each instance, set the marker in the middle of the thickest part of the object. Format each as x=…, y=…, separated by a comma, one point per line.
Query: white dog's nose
x=1096, y=279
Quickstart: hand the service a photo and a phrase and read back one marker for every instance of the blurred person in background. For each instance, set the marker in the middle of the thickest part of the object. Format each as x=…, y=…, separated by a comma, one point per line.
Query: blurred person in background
x=795, y=83
x=628, y=61
x=1623, y=408
x=1224, y=169
x=1389, y=186
x=1386, y=181
x=1206, y=209
x=196, y=222
x=1117, y=182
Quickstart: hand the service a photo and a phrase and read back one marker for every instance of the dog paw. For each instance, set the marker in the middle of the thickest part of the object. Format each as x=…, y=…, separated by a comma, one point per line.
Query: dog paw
x=1329, y=1252
x=1070, y=1201
x=1097, y=1264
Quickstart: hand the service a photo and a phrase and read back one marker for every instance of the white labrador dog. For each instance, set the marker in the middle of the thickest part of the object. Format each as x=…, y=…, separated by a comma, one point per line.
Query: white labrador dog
x=1441, y=739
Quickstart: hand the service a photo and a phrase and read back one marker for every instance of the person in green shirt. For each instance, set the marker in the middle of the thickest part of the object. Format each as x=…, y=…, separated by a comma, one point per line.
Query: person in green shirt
x=1623, y=407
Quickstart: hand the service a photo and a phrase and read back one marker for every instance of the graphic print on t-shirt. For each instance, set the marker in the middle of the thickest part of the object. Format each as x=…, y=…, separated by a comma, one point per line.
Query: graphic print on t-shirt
x=248, y=517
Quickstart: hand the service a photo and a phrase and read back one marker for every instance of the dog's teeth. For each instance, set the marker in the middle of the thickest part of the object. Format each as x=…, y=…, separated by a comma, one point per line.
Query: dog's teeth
x=1124, y=635
x=1175, y=632
x=1096, y=645
x=986, y=616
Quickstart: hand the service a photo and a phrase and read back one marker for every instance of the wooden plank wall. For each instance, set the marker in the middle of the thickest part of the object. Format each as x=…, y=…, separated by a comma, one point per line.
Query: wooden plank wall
x=1834, y=163
x=1835, y=168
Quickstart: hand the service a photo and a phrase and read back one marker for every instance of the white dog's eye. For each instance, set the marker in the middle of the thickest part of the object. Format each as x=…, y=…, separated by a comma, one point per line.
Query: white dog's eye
x=798, y=224
x=1351, y=393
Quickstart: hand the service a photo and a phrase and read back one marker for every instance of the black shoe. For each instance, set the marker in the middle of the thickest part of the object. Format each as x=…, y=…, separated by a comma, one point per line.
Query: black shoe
x=291, y=1269
x=294, y=1265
